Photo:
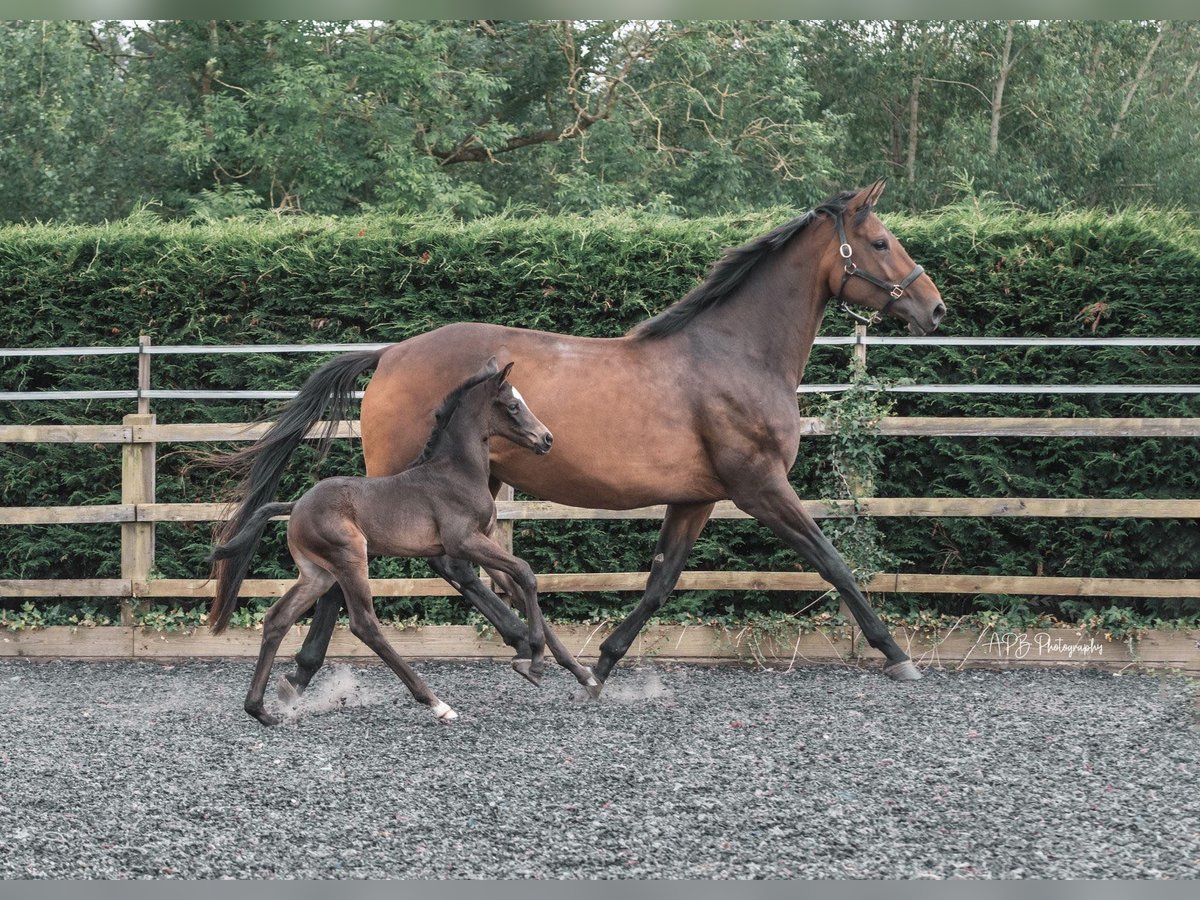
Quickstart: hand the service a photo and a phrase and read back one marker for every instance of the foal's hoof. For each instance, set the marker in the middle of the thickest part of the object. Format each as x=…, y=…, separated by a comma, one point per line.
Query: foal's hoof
x=524, y=668
x=288, y=692
x=902, y=671
x=593, y=685
x=263, y=716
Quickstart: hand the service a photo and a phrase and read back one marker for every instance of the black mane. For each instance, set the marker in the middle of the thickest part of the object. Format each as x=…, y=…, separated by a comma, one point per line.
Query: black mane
x=444, y=412
x=731, y=270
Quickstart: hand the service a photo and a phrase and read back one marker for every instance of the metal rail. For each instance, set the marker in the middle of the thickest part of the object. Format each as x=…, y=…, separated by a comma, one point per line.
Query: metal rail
x=144, y=350
x=825, y=340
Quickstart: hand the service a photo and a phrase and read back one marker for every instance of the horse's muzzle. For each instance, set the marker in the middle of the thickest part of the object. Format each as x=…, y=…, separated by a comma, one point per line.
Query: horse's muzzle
x=922, y=324
x=542, y=447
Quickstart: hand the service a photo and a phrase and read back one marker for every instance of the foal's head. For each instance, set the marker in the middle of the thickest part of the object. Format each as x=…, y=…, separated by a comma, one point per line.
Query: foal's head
x=867, y=266
x=508, y=416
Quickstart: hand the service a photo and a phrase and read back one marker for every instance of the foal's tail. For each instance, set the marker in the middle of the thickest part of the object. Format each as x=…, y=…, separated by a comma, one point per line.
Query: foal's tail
x=326, y=395
x=236, y=554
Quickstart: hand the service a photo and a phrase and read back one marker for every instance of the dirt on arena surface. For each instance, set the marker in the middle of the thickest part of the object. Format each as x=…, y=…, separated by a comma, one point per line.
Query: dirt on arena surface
x=138, y=770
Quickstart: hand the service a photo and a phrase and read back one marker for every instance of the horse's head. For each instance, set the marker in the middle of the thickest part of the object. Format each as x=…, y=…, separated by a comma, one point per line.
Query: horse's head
x=511, y=418
x=870, y=268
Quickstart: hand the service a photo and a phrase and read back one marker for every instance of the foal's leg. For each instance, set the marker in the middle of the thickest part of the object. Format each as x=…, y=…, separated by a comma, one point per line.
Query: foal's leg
x=774, y=503
x=557, y=648
x=484, y=551
x=463, y=577
x=279, y=618
x=311, y=655
x=680, y=529
x=364, y=624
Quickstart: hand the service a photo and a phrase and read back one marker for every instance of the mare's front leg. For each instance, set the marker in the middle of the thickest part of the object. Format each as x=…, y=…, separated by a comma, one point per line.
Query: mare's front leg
x=773, y=502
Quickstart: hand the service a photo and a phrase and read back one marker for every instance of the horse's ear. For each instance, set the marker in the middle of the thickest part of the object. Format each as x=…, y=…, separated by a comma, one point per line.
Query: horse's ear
x=866, y=199
x=501, y=375
x=491, y=366
x=871, y=195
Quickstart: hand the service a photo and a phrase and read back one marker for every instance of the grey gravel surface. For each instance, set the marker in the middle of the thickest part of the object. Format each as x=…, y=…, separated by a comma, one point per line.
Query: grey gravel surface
x=132, y=770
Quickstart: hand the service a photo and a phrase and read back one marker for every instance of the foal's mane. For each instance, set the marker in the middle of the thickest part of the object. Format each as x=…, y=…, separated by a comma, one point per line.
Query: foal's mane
x=444, y=412
x=733, y=268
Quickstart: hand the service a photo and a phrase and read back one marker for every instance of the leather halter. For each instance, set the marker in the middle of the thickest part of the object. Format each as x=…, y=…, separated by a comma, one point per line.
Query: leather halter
x=895, y=290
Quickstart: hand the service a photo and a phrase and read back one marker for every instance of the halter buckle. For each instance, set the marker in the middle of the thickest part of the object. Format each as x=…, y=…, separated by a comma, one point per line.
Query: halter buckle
x=896, y=292
x=846, y=250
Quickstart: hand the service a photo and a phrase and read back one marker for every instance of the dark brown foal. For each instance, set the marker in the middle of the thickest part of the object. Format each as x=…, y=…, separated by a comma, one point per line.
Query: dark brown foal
x=440, y=506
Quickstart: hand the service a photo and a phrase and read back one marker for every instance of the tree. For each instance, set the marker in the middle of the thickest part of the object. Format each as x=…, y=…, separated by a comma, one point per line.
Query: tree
x=216, y=118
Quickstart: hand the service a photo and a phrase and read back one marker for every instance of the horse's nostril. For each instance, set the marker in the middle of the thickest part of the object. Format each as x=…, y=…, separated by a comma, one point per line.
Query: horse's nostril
x=547, y=439
x=938, y=312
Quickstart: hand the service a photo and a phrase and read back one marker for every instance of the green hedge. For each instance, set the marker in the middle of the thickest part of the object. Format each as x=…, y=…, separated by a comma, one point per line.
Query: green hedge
x=379, y=279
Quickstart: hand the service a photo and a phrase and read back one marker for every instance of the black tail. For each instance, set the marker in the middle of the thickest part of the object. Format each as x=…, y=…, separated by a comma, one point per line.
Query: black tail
x=236, y=554
x=326, y=395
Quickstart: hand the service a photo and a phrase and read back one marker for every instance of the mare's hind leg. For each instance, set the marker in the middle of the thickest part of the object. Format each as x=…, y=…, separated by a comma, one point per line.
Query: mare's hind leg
x=681, y=526
x=279, y=618
x=311, y=655
x=364, y=624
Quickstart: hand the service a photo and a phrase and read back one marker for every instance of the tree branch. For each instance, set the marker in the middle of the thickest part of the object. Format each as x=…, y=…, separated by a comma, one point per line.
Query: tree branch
x=1138, y=79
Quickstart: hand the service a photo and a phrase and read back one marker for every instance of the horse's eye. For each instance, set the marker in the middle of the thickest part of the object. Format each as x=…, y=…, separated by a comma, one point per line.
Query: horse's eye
x=514, y=407
x=880, y=244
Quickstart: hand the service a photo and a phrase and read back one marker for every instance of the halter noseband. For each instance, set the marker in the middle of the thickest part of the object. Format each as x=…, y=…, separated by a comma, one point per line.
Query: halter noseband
x=895, y=291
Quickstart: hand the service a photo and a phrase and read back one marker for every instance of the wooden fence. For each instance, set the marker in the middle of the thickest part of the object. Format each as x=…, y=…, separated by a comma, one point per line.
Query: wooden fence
x=139, y=434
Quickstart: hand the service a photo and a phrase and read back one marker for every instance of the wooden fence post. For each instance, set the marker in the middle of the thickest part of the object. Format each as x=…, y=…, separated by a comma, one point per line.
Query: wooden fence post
x=860, y=347
x=504, y=535
x=504, y=528
x=137, y=486
x=143, y=375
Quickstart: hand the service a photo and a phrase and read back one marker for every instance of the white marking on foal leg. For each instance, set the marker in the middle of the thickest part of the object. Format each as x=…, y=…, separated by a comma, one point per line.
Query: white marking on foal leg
x=442, y=710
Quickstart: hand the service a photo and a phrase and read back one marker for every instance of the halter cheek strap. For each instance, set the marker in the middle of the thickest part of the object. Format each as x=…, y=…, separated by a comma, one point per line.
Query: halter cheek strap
x=895, y=290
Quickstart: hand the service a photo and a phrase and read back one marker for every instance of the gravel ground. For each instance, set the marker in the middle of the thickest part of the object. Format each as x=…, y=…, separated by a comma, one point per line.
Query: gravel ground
x=132, y=770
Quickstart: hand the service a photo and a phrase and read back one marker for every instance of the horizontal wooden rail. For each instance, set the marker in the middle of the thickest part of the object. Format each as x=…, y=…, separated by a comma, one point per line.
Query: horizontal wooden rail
x=916, y=426
x=65, y=434
x=68, y=515
x=956, y=648
x=589, y=582
x=66, y=587
x=539, y=510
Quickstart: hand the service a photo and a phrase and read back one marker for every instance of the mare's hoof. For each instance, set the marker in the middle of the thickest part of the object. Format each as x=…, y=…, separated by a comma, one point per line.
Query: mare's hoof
x=524, y=668
x=902, y=671
x=288, y=692
x=443, y=712
x=593, y=685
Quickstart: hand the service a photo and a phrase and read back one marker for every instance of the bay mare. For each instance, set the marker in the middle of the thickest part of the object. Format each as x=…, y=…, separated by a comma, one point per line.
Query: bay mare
x=440, y=505
x=695, y=405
